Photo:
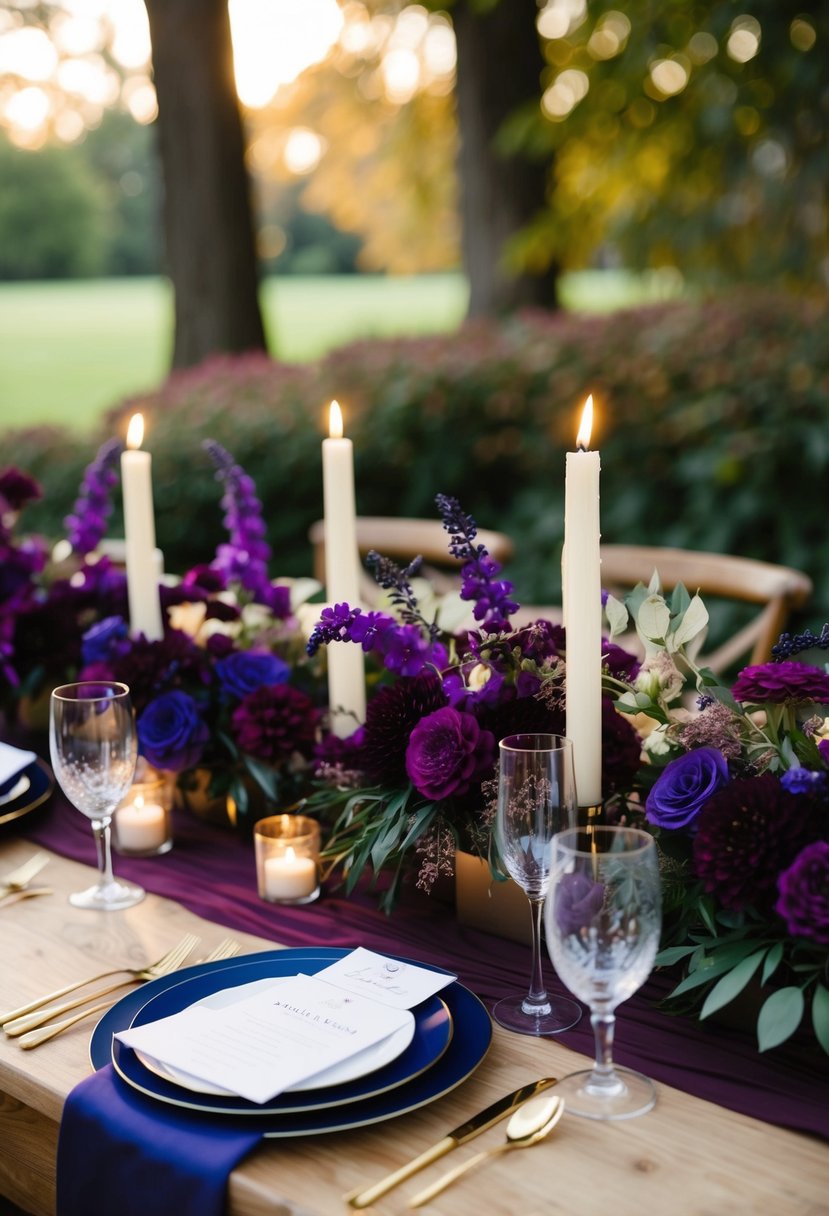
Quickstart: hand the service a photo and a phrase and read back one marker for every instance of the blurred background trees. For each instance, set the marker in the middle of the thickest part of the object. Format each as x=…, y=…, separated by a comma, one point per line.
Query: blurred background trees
x=520, y=138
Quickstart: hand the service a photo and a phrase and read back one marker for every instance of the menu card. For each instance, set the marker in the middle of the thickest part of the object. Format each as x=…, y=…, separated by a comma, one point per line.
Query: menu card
x=277, y=1038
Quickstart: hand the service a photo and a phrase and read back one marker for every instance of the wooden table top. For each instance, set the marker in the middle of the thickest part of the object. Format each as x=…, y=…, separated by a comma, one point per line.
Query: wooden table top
x=687, y=1157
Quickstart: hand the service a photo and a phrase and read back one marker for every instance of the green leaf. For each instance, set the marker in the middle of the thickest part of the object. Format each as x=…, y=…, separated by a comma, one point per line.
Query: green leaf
x=266, y=777
x=732, y=984
x=820, y=1016
x=773, y=961
x=654, y=619
x=617, y=616
x=779, y=1018
x=667, y=958
x=694, y=620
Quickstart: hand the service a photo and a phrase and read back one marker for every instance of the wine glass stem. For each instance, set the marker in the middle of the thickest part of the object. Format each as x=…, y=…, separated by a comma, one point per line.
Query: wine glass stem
x=101, y=832
x=536, y=998
x=604, y=1024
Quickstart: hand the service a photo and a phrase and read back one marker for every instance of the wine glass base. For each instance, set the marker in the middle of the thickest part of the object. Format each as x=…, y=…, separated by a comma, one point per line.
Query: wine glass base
x=513, y=1013
x=632, y=1094
x=108, y=897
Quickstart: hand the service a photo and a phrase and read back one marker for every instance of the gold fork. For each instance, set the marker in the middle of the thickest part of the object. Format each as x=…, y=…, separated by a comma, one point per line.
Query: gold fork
x=168, y=962
x=17, y=879
x=227, y=948
x=34, y=1038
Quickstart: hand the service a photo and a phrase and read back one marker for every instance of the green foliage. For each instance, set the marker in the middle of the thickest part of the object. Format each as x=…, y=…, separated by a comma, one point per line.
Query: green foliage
x=53, y=214
x=708, y=415
x=691, y=135
x=87, y=209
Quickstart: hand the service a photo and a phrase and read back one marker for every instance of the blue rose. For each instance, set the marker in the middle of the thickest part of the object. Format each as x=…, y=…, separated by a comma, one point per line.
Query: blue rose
x=106, y=640
x=246, y=670
x=684, y=786
x=171, y=733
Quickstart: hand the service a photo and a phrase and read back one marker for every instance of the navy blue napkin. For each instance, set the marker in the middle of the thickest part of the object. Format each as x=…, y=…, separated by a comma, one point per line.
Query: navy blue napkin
x=119, y=1151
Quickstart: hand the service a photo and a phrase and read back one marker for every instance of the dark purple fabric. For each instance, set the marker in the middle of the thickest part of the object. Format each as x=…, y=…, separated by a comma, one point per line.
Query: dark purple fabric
x=211, y=872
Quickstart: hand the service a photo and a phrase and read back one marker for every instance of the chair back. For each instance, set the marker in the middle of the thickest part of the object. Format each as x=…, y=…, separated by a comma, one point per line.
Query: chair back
x=403, y=540
x=777, y=590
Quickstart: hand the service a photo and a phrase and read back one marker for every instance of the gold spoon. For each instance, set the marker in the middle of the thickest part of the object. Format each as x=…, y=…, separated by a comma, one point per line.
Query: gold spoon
x=530, y=1124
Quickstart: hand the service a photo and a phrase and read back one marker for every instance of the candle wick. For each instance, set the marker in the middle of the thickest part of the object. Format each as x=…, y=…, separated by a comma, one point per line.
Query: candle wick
x=582, y=447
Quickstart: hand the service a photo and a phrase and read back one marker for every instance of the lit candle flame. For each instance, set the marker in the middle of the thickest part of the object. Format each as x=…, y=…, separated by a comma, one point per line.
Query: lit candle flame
x=583, y=437
x=138, y=802
x=135, y=431
x=335, y=421
x=290, y=854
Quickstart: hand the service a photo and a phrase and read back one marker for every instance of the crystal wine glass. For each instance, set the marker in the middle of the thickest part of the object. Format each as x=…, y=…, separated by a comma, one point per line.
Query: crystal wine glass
x=603, y=919
x=536, y=799
x=93, y=748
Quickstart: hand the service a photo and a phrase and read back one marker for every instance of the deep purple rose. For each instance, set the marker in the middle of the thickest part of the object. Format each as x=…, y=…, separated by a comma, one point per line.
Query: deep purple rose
x=578, y=900
x=778, y=682
x=804, y=894
x=246, y=670
x=171, y=733
x=684, y=786
x=447, y=753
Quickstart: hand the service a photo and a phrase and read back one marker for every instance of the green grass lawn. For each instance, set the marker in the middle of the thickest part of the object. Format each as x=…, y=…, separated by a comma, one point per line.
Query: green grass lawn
x=70, y=350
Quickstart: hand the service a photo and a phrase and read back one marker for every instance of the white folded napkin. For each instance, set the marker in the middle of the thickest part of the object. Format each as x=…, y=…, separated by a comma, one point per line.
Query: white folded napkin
x=12, y=761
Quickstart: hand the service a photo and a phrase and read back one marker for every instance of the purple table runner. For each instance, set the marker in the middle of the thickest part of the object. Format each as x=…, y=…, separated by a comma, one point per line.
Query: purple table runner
x=211, y=872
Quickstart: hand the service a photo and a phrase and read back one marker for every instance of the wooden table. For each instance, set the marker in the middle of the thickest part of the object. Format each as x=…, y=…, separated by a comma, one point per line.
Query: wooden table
x=688, y=1157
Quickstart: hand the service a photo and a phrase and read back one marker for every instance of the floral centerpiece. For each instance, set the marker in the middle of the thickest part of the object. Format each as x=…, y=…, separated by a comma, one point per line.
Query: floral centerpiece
x=228, y=691
x=735, y=788
x=418, y=779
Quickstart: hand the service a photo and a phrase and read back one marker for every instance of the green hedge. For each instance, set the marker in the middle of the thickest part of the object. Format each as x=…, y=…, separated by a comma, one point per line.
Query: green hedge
x=712, y=419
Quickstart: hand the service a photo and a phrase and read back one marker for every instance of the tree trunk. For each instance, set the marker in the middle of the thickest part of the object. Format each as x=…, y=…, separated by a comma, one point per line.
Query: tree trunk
x=498, y=72
x=208, y=225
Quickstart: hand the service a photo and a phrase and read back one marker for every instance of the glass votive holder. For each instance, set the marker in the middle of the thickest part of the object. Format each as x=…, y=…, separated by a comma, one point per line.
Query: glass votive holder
x=141, y=826
x=287, y=859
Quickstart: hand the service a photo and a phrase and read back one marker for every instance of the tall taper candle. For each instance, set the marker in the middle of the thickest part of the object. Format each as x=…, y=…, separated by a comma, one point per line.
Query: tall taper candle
x=582, y=603
x=346, y=670
x=139, y=531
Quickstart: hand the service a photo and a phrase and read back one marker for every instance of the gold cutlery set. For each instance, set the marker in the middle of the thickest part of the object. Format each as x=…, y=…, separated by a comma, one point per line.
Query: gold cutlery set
x=532, y=1118
x=29, y=1023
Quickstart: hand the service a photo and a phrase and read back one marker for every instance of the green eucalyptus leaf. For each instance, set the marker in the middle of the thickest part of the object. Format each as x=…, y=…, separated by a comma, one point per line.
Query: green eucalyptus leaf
x=617, y=616
x=780, y=1017
x=820, y=1016
x=732, y=984
x=694, y=620
x=654, y=619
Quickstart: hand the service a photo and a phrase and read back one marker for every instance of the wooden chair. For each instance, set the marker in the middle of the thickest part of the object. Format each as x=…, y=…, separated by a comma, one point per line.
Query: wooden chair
x=777, y=590
x=403, y=540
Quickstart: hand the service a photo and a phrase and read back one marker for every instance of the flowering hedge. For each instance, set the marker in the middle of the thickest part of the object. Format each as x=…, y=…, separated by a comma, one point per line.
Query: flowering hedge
x=705, y=412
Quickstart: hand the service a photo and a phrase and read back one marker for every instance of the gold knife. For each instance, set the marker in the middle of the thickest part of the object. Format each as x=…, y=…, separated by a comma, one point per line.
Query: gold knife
x=467, y=1131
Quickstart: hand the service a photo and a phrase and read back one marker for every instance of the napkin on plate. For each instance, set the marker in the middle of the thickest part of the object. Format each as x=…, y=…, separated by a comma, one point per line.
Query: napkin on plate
x=152, y=1158
x=12, y=761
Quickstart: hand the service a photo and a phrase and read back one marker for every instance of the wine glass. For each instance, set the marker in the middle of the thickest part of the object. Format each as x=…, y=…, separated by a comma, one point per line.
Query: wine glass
x=536, y=799
x=603, y=919
x=93, y=748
